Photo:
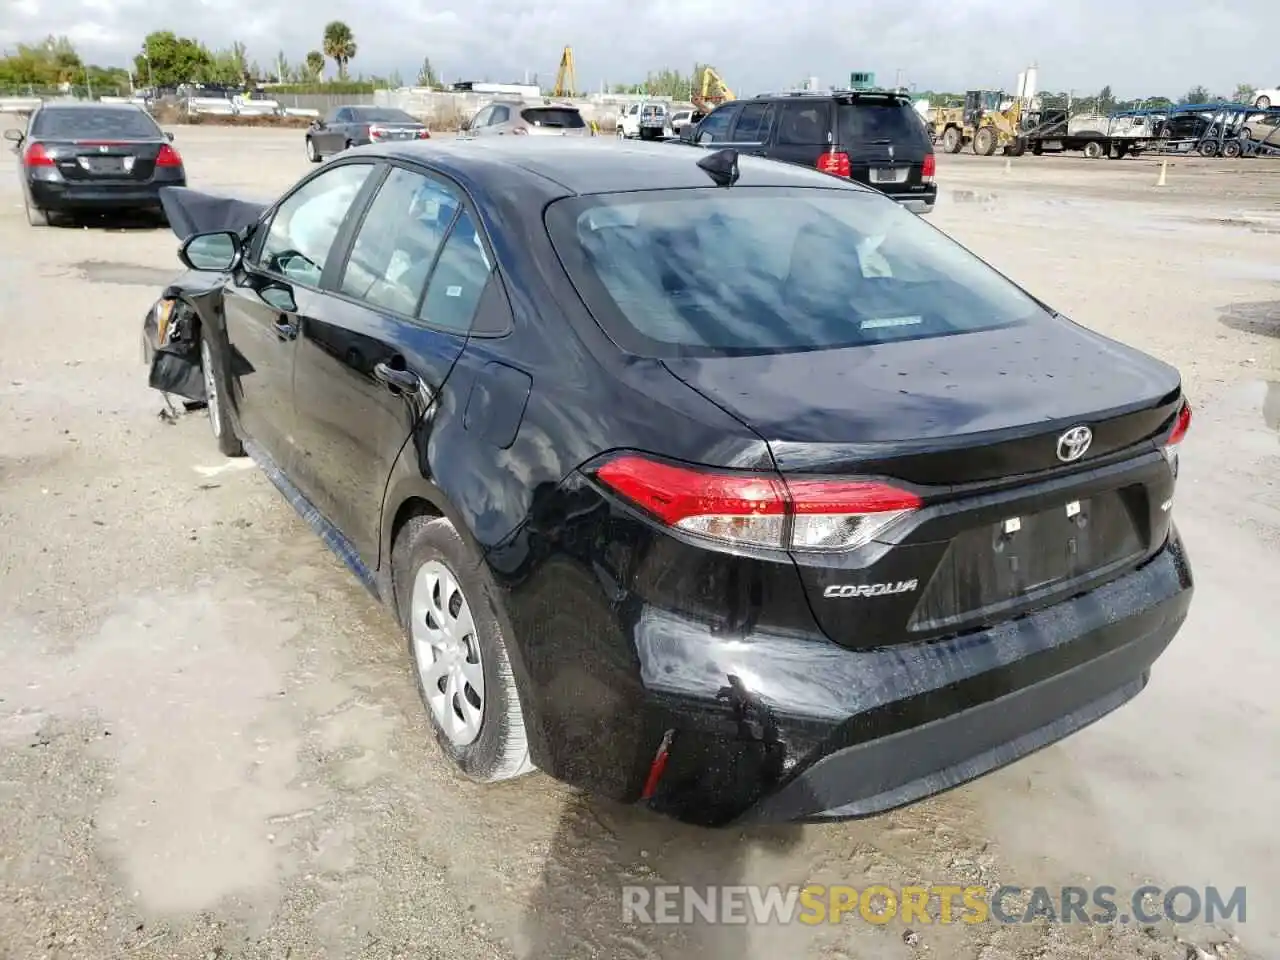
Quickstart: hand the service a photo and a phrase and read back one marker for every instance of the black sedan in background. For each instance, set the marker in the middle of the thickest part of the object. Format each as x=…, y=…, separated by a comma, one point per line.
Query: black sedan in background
x=77, y=158
x=714, y=483
x=346, y=127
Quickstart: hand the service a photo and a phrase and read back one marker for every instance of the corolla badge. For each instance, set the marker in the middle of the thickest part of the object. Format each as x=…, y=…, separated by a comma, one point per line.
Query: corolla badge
x=1074, y=444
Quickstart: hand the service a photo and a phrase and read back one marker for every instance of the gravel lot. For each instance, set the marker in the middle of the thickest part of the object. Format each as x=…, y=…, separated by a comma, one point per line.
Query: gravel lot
x=211, y=746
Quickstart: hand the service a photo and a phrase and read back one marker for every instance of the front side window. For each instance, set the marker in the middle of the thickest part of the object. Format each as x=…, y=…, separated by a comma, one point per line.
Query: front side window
x=715, y=127
x=789, y=270
x=398, y=242
x=500, y=115
x=305, y=224
x=753, y=123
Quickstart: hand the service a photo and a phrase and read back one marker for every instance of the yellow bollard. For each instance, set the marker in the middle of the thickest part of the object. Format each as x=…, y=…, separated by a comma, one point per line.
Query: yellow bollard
x=1164, y=167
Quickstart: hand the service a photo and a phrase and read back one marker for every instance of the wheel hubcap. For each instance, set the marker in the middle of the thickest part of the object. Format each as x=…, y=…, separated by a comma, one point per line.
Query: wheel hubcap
x=447, y=653
x=210, y=387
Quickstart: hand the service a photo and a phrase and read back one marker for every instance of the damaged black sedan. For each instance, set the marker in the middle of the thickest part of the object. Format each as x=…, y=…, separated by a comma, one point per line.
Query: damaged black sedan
x=715, y=484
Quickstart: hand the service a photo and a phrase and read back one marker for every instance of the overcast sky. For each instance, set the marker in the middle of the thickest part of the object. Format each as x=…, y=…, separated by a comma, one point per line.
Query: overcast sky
x=1139, y=47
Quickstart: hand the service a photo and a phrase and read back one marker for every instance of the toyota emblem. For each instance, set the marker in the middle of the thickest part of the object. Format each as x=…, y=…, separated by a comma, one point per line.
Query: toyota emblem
x=1074, y=444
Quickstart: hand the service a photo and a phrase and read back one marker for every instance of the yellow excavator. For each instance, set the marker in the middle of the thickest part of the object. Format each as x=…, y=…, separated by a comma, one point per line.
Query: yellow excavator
x=711, y=92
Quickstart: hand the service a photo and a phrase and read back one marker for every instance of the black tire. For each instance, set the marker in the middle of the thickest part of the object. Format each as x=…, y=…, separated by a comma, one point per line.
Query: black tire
x=1093, y=150
x=312, y=153
x=215, y=386
x=952, y=140
x=1209, y=148
x=1232, y=149
x=35, y=216
x=984, y=142
x=1017, y=148
x=1263, y=103
x=501, y=749
x=350, y=144
x=1037, y=149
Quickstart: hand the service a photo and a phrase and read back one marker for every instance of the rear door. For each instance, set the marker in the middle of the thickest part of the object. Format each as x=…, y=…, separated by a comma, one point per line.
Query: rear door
x=886, y=144
x=108, y=146
x=376, y=359
x=803, y=131
x=270, y=299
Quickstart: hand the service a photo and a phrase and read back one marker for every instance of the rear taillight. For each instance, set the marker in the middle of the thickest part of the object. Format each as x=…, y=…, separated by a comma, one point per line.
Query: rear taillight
x=929, y=168
x=37, y=157
x=1181, y=424
x=834, y=163
x=753, y=510
x=424, y=134
x=376, y=133
x=168, y=157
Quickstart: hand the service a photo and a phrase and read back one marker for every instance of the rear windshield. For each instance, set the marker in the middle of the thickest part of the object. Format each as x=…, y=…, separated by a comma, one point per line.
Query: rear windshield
x=553, y=117
x=86, y=123
x=880, y=121
x=383, y=116
x=771, y=270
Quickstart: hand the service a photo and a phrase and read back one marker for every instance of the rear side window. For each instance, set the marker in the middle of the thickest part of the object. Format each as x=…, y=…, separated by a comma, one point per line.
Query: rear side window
x=86, y=123
x=880, y=121
x=805, y=123
x=500, y=115
x=771, y=270
x=553, y=117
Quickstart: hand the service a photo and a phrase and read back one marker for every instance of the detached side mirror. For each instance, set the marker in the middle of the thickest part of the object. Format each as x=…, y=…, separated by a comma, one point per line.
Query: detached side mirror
x=169, y=136
x=15, y=136
x=211, y=251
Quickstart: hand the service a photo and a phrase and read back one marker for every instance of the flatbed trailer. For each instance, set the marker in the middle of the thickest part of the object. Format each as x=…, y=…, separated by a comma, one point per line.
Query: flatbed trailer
x=1226, y=130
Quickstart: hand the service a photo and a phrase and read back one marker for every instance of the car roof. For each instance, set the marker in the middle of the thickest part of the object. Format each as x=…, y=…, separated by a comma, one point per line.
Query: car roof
x=596, y=165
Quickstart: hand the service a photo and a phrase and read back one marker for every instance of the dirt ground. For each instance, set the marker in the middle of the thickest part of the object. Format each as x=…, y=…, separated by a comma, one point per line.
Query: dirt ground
x=211, y=745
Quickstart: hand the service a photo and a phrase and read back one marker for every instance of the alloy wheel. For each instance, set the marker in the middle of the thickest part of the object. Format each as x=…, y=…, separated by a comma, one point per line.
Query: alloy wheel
x=210, y=387
x=447, y=653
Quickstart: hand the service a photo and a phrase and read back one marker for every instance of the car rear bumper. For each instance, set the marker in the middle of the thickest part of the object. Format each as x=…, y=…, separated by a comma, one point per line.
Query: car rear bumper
x=67, y=195
x=796, y=728
x=919, y=205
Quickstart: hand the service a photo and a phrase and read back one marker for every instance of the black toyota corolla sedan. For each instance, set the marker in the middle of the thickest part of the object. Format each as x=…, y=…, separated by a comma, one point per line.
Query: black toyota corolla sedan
x=77, y=158
x=715, y=484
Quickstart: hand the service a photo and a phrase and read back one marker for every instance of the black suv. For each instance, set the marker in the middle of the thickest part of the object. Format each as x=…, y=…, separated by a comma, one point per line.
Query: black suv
x=873, y=137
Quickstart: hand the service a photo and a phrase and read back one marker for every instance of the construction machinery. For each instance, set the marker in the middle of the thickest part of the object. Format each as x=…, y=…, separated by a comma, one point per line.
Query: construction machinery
x=989, y=120
x=710, y=93
x=566, y=80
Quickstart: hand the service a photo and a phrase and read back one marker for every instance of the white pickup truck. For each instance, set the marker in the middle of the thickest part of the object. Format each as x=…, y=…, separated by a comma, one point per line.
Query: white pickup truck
x=646, y=121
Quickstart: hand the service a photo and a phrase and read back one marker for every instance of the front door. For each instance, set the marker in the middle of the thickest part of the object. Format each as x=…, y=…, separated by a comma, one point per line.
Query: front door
x=377, y=363
x=267, y=300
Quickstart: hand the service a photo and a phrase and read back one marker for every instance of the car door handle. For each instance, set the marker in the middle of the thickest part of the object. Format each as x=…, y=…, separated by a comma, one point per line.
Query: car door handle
x=403, y=381
x=285, y=329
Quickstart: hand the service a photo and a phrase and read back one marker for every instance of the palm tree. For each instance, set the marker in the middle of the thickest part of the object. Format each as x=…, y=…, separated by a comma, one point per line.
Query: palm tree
x=315, y=64
x=339, y=45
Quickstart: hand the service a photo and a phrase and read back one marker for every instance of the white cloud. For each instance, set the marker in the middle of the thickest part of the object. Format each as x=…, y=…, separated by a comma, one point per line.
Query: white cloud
x=1138, y=47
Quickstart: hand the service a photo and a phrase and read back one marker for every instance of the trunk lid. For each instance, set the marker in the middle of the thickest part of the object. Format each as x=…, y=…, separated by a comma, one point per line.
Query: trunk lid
x=105, y=161
x=973, y=424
